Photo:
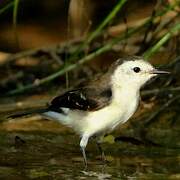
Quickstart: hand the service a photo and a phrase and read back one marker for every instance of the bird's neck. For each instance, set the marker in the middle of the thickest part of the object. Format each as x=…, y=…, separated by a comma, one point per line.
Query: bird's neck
x=125, y=94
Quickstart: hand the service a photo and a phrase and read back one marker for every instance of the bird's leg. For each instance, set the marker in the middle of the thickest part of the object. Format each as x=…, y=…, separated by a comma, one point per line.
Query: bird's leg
x=98, y=142
x=83, y=143
x=101, y=151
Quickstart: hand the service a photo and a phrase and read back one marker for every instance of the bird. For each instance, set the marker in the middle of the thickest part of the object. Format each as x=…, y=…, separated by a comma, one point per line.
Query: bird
x=104, y=103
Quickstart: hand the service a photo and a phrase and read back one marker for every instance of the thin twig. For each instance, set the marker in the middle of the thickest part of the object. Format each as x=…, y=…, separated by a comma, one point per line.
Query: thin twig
x=157, y=91
x=142, y=130
x=149, y=29
x=151, y=118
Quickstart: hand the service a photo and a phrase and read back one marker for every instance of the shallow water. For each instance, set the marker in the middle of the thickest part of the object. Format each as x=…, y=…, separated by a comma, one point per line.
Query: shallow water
x=43, y=155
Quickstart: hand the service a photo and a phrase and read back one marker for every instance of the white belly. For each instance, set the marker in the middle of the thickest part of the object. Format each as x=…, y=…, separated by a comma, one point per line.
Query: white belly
x=108, y=118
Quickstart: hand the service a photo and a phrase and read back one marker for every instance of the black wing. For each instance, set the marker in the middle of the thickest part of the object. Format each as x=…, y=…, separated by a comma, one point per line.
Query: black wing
x=86, y=99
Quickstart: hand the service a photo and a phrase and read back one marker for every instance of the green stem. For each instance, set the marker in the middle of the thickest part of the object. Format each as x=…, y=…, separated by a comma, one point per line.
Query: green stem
x=9, y=5
x=99, y=29
x=111, y=15
x=15, y=12
x=164, y=39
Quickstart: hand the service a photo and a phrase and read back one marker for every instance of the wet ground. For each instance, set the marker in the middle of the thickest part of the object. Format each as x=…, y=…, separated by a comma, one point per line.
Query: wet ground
x=45, y=155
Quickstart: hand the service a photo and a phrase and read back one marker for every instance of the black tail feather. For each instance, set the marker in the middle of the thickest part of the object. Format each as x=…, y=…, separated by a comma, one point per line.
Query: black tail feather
x=33, y=111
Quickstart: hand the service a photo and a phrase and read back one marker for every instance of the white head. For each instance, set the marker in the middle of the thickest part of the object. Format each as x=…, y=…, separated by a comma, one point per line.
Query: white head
x=134, y=73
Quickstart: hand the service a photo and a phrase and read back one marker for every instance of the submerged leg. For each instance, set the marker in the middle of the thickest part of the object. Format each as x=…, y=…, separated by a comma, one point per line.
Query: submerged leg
x=98, y=142
x=101, y=151
x=83, y=143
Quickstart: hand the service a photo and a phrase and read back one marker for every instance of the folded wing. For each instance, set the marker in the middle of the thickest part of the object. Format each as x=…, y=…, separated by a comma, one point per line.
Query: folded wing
x=85, y=99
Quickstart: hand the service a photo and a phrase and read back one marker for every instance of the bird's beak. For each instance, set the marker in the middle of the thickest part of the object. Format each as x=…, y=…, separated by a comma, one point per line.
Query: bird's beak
x=156, y=71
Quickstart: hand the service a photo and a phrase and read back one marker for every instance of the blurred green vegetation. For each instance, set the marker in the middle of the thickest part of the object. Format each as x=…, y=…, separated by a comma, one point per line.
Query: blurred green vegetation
x=154, y=30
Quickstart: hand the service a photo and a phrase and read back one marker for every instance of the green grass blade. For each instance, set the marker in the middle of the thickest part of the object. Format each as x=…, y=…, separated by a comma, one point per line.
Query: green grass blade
x=6, y=7
x=15, y=13
x=110, y=16
x=163, y=40
x=99, y=29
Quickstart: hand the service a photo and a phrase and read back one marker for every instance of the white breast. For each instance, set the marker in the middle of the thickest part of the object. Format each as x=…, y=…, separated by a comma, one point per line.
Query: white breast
x=103, y=120
x=108, y=118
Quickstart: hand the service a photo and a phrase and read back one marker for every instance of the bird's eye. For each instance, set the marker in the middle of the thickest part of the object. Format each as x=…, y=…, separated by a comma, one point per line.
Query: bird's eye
x=136, y=69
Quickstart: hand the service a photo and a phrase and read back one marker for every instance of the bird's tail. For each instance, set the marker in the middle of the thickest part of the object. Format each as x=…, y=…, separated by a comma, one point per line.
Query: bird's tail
x=28, y=112
x=47, y=113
